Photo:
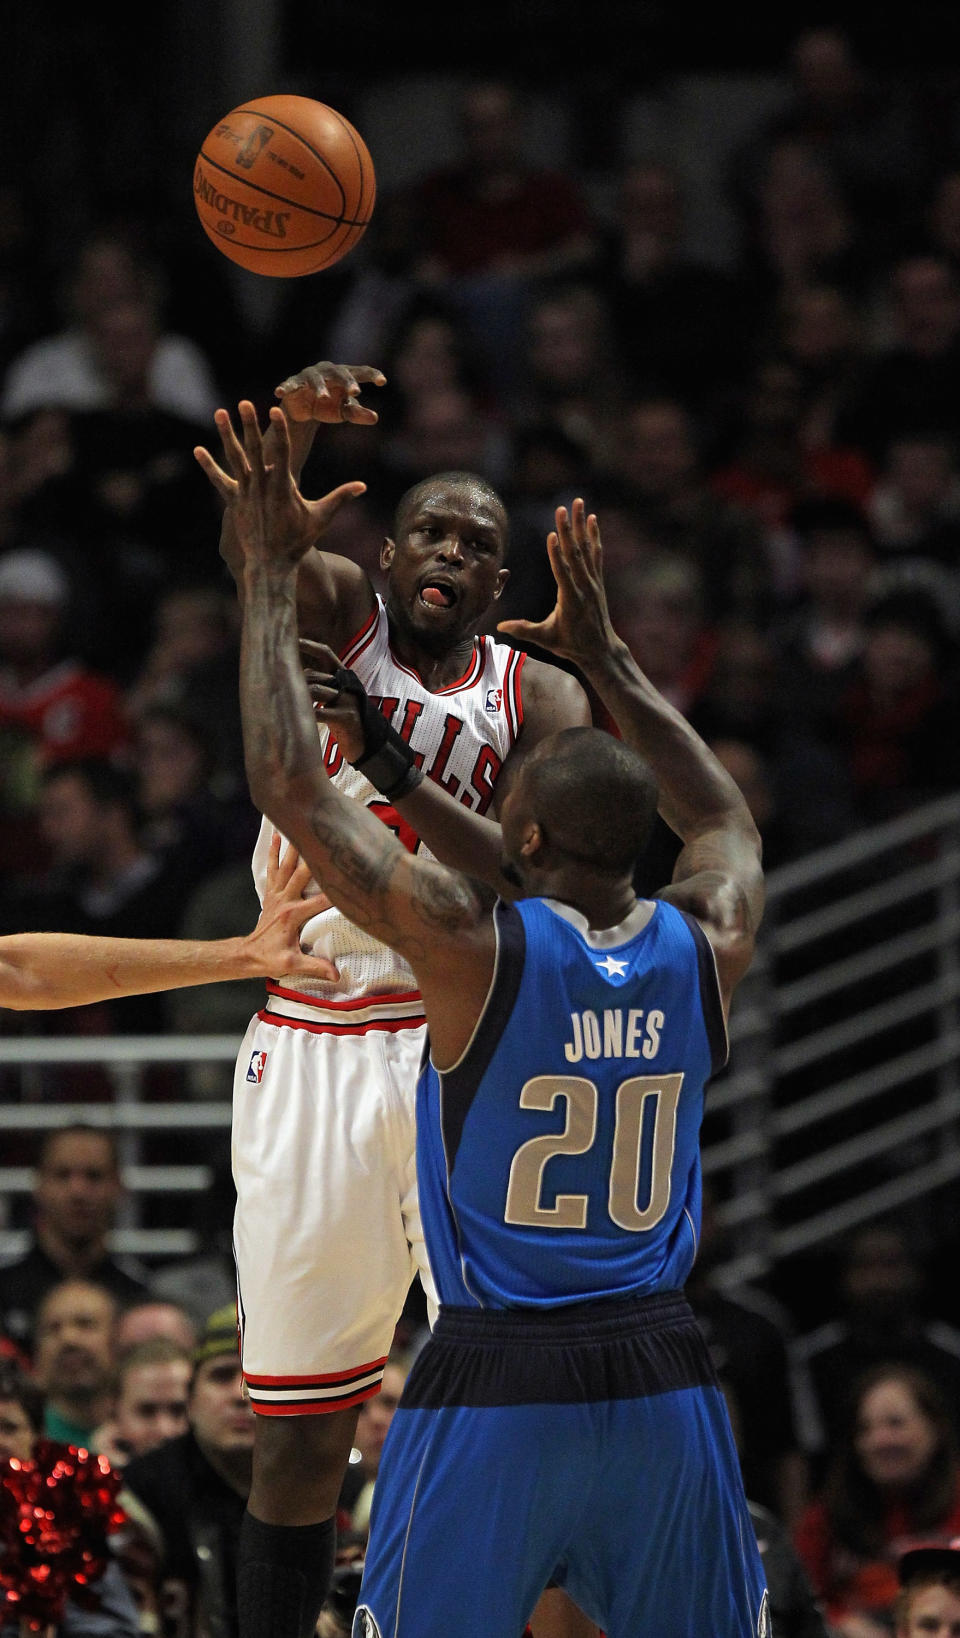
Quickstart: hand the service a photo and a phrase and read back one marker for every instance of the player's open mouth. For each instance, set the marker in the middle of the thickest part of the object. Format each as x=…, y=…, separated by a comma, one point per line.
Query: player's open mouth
x=437, y=594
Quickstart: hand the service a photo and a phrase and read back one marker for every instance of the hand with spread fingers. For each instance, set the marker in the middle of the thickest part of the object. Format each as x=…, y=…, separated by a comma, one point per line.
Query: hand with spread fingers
x=329, y=393
x=272, y=519
x=274, y=944
x=578, y=628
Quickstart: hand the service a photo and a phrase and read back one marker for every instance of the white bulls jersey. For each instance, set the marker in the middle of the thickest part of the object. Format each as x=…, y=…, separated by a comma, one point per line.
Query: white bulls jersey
x=460, y=735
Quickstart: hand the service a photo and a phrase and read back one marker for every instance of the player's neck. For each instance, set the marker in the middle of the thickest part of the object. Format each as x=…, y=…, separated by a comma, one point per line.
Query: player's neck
x=604, y=903
x=435, y=669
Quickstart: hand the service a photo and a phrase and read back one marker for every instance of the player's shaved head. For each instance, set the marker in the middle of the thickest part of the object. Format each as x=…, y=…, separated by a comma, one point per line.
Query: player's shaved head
x=594, y=797
x=413, y=498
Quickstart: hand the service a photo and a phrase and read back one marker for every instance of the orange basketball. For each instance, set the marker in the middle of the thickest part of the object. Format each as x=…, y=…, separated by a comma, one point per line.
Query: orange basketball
x=284, y=186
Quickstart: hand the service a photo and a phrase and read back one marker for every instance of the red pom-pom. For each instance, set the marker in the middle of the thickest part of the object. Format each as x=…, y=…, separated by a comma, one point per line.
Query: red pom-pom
x=56, y=1513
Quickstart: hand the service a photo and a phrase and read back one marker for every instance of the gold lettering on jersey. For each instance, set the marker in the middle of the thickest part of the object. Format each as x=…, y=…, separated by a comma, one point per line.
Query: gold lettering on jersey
x=616, y=1033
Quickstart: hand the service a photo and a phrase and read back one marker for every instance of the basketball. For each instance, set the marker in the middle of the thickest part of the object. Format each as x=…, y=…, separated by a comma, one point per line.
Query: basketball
x=284, y=186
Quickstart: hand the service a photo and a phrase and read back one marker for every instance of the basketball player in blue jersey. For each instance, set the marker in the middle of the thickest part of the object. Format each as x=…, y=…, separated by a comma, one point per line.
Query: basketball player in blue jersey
x=563, y=1422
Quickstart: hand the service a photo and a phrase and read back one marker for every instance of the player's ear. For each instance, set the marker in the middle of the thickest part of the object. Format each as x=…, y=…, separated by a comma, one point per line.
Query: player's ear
x=502, y=577
x=387, y=551
x=533, y=840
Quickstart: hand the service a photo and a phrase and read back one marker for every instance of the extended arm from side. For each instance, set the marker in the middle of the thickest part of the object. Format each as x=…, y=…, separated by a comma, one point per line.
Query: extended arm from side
x=41, y=971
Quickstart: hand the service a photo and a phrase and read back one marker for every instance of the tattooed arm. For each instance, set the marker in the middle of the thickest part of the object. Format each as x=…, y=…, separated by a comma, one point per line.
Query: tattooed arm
x=436, y=918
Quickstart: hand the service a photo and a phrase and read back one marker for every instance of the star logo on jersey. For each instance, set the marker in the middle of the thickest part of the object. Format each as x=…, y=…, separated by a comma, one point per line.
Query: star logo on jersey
x=256, y=1067
x=612, y=967
x=494, y=701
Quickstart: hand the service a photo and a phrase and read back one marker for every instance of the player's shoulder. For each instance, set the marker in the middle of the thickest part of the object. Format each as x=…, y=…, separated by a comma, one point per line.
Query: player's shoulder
x=552, y=699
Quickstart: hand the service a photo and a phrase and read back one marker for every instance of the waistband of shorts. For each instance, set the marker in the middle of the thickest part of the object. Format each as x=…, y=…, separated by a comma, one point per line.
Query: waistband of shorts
x=356, y=1016
x=571, y=1323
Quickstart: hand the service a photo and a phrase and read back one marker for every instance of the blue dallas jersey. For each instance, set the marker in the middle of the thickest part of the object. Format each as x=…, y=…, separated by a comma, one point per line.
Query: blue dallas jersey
x=558, y=1161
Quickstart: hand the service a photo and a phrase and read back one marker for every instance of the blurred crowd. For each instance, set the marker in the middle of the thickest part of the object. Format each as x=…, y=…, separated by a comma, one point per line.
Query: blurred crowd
x=772, y=446
x=848, y=1436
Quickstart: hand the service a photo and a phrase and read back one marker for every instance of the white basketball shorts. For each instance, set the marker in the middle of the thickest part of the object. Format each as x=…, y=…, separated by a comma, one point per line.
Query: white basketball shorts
x=327, y=1231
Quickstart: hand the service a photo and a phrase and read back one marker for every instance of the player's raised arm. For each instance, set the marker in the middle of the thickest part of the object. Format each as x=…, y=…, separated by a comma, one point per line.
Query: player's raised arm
x=437, y=919
x=718, y=876
x=334, y=595
x=41, y=971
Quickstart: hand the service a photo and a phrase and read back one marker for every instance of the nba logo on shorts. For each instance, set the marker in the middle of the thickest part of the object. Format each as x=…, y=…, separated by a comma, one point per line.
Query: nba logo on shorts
x=764, y=1627
x=258, y=1061
x=494, y=700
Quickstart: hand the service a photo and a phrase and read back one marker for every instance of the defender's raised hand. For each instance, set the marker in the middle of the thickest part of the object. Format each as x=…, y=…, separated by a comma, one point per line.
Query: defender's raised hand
x=330, y=392
x=578, y=628
x=273, y=521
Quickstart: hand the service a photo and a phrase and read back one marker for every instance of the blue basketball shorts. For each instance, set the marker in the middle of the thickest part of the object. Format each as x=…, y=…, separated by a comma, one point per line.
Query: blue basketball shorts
x=588, y=1447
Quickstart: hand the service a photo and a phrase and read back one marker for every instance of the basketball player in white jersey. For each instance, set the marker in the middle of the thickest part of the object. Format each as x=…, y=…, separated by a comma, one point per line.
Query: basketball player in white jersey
x=327, y=1230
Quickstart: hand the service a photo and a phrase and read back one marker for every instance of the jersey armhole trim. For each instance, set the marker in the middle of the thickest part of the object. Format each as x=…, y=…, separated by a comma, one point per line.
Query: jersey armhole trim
x=458, y=1085
x=353, y=649
x=711, y=996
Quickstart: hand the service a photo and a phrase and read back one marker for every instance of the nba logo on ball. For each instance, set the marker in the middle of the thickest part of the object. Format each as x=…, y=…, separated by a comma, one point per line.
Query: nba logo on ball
x=284, y=186
x=258, y=1063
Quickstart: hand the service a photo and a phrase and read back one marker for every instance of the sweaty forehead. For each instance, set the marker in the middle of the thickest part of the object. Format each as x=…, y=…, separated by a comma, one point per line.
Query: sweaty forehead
x=465, y=502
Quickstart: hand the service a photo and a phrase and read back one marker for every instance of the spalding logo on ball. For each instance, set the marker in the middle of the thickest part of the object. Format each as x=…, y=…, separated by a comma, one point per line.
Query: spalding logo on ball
x=284, y=186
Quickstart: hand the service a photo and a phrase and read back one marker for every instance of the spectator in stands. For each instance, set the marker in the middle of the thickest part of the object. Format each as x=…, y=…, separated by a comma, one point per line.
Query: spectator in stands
x=75, y=1355
x=573, y=376
x=183, y=817
x=491, y=225
x=111, y=1612
x=659, y=473
x=895, y=723
x=186, y=1498
x=100, y=878
x=772, y=470
x=915, y=513
x=449, y=431
x=190, y=661
x=868, y=130
x=154, y=1320
x=821, y=333
x=373, y=1425
x=883, y=1316
x=928, y=1605
x=682, y=325
x=659, y=610
x=113, y=304
x=893, y=1482
x=76, y=1192
x=804, y=231
x=58, y=705
x=747, y=1336
x=820, y=639
x=150, y=1390
x=913, y=381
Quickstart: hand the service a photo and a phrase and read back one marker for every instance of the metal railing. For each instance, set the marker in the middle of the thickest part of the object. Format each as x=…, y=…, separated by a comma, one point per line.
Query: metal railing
x=841, y=1101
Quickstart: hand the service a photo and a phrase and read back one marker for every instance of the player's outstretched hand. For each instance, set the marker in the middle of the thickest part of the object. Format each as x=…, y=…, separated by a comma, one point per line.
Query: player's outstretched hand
x=274, y=944
x=578, y=628
x=330, y=392
x=273, y=520
x=336, y=709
